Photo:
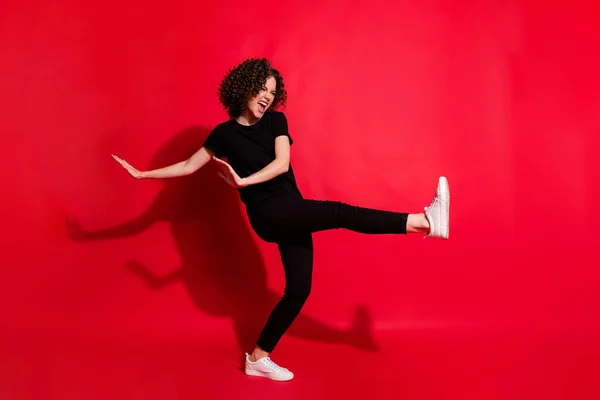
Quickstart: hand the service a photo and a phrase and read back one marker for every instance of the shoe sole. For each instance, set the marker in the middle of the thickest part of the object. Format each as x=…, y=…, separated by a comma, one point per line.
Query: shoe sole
x=266, y=375
x=444, y=194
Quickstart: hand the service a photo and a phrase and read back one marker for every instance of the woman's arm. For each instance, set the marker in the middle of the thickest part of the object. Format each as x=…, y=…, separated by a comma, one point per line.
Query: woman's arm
x=278, y=166
x=187, y=167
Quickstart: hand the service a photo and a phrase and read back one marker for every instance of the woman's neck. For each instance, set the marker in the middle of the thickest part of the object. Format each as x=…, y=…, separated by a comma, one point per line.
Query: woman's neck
x=247, y=118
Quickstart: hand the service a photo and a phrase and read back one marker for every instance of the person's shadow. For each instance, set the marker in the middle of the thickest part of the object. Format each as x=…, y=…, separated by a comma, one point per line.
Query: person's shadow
x=221, y=266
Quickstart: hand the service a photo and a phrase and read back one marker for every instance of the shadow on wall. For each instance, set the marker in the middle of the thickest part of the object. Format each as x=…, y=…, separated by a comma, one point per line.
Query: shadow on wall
x=221, y=266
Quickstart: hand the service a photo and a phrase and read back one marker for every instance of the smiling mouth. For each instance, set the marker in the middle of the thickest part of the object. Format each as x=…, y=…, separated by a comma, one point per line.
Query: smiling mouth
x=262, y=106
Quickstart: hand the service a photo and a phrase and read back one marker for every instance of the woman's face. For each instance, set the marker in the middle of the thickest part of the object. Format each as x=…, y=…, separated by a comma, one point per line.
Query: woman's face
x=260, y=104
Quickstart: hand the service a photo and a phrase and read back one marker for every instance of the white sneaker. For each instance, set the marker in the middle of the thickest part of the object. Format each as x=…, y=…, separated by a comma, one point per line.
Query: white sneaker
x=266, y=368
x=438, y=213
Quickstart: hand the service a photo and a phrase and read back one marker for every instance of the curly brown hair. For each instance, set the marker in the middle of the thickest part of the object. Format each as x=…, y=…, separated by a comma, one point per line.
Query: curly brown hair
x=246, y=80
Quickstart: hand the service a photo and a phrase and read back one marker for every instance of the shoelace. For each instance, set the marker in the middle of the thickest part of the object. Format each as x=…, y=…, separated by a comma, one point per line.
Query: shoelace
x=435, y=200
x=271, y=364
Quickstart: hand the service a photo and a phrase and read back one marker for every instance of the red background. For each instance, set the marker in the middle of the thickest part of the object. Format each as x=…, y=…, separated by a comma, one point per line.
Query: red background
x=384, y=96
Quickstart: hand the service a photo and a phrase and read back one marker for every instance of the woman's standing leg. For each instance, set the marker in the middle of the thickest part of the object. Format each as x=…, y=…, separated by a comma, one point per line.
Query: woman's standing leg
x=297, y=258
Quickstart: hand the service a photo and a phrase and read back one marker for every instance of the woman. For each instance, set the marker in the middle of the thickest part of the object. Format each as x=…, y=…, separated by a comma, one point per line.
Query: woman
x=256, y=142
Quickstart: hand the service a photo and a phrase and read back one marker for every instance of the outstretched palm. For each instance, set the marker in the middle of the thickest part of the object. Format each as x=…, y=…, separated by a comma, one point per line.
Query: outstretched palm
x=132, y=171
x=229, y=175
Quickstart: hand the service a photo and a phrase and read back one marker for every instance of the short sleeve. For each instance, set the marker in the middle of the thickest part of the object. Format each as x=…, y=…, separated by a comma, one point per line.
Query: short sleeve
x=279, y=126
x=214, y=142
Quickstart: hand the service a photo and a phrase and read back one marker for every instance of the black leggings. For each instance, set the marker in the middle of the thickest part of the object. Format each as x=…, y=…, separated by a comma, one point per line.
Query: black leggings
x=289, y=222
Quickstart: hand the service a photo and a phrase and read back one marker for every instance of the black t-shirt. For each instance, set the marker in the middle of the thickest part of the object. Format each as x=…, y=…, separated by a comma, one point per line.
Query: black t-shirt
x=249, y=149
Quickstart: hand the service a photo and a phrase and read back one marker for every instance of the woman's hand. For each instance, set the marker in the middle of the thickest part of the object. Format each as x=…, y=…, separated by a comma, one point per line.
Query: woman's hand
x=132, y=171
x=229, y=175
